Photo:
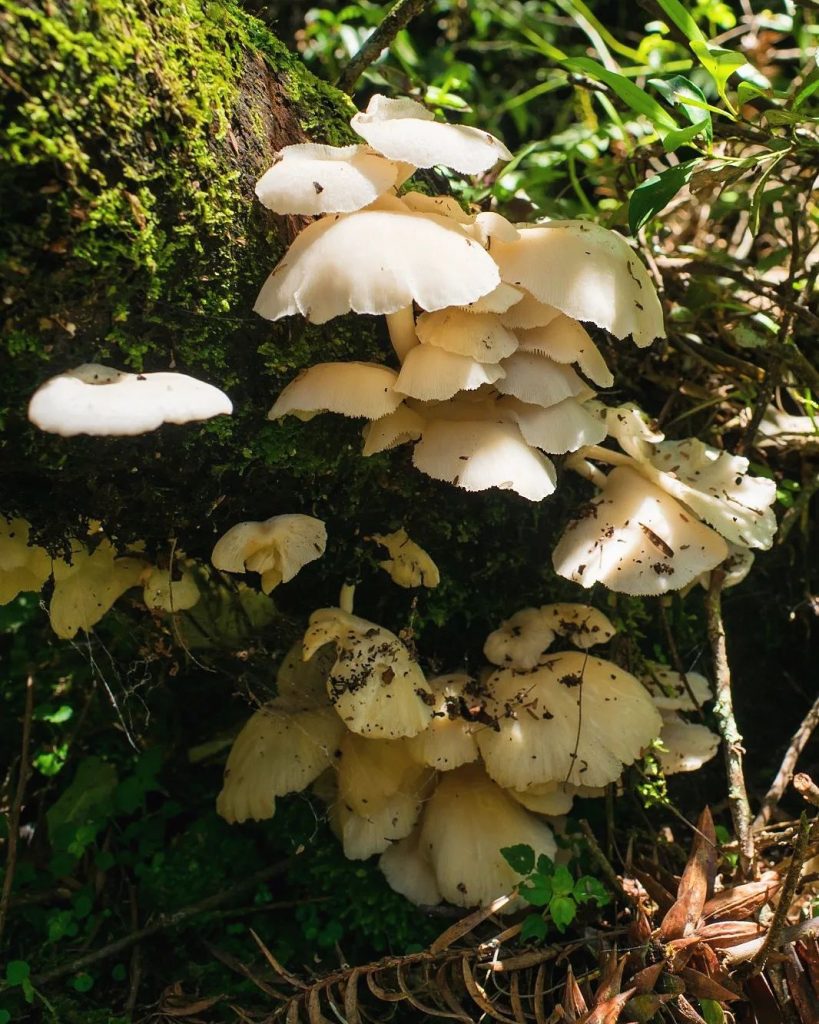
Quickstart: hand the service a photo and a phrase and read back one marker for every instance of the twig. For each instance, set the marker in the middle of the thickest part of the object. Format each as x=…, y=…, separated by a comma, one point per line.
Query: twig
x=16, y=808
x=783, y=776
x=605, y=865
x=724, y=711
x=677, y=660
x=396, y=18
x=773, y=939
x=162, y=923
x=806, y=788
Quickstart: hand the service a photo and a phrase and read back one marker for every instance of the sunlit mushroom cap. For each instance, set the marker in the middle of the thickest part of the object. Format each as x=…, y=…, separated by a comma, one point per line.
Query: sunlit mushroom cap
x=377, y=261
x=405, y=424
x=687, y=745
x=669, y=691
x=350, y=389
x=376, y=686
x=94, y=399
x=575, y=719
x=402, y=129
x=528, y=312
x=163, y=593
x=631, y=429
x=566, y=341
x=409, y=872
x=480, y=336
x=310, y=179
x=276, y=548
x=581, y=624
x=563, y=427
x=408, y=565
x=281, y=749
x=24, y=567
x=466, y=822
x=587, y=272
x=433, y=374
x=87, y=587
x=499, y=300
x=539, y=381
x=449, y=740
x=442, y=206
x=521, y=641
x=634, y=539
x=478, y=454
x=550, y=798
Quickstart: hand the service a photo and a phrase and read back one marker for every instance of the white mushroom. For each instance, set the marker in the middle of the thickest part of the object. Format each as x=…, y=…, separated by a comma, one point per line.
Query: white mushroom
x=94, y=399
x=687, y=746
x=562, y=427
x=582, y=625
x=350, y=389
x=671, y=692
x=566, y=341
x=521, y=641
x=527, y=312
x=276, y=548
x=408, y=565
x=539, y=381
x=551, y=798
x=164, y=594
x=405, y=424
x=480, y=336
x=409, y=872
x=432, y=374
x=449, y=739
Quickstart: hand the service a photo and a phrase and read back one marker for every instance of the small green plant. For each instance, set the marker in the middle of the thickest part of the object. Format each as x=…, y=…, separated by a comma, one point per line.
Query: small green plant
x=553, y=887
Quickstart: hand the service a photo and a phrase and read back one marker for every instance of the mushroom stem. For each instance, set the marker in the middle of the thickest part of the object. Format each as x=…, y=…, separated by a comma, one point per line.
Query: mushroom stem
x=401, y=326
x=596, y=451
x=586, y=470
x=345, y=598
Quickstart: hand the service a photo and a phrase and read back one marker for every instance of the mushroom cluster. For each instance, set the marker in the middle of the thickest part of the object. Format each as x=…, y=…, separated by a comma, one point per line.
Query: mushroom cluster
x=436, y=775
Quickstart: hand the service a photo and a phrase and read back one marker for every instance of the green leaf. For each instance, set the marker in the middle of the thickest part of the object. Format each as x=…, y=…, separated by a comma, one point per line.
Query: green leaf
x=712, y=1012
x=88, y=796
x=520, y=858
x=719, y=63
x=545, y=865
x=654, y=194
x=82, y=982
x=562, y=881
x=750, y=90
x=119, y=972
x=533, y=928
x=538, y=891
x=589, y=888
x=54, y=715
x=673, y=140
x=683, y=93
x=562, y=910
x=17, y=971
x=631, y=94
x=807, y=90
x=5, y=1017
x=682, y=19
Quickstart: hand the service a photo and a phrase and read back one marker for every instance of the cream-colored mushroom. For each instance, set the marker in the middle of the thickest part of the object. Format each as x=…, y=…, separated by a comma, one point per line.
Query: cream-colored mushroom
x=24, y=566
x=566, y=341
x=350, y=389
x=685, y=746
x=449, y=739
x=564, y=427
x=550, y=798
x=305, y=682
x=480, y=336
x=433, y=374
x=408, y=565
x=405, y=424
x=670, y=691
x=527, y=312
x=162, y=593
x=276, y=548
x=581, y=624
x=539, y=381
x=409, y=872
x=521, y=641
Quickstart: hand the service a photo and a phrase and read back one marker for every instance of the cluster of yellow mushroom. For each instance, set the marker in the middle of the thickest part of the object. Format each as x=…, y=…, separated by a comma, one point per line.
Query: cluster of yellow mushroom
x=436, y=775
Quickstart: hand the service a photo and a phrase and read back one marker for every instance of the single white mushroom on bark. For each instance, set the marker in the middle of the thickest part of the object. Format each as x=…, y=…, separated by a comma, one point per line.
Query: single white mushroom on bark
x=276, y=548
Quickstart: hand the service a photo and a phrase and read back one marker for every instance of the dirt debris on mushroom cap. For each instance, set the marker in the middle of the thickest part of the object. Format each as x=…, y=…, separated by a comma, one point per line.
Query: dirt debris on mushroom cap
x=352, y=389
x=449, y=739
x=276, y=548
x=575, y=718
x=521, y=641
x=480, y=336
x=408, y=565
x=581, y=624
x=24, y=566
x=103, y=402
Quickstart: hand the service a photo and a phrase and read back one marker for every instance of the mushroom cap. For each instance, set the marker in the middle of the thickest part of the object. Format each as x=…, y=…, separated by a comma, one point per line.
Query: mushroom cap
x=587, y=272
x=631, y=429
x=97, y=400
x=310, y=179
x=576, y=719
x=350, y=389
x=466, y=822
x=405, y=424
x=563, y=427
x=566, y=341
x=480, y=336
x=164, y=594
x=375, y=685
x=551, y=798
x=433, y=374
x=499, y=300
x=281, y=749
x=442, y=206
x=527, y=312
x=409, y=565
x=402, y=129
x=490, y=225
x=409, y=872
x=305, y=682
x=449, y=740
x=24, y=567
x=582, y=625
x=478, y=454
x=537, y=380
x=634, y=539
x=276, y=548
x=377, y=261
x=521, y=641
x=687, y=745
x=668, y=689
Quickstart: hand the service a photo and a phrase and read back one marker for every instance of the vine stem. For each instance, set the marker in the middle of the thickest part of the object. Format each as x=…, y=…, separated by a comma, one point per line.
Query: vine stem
x=724, y=711
x=16, y=808
x=798, y=743
x=396, y=18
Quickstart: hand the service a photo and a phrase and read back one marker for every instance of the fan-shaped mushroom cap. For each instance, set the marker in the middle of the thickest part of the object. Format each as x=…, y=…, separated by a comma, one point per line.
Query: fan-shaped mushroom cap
x=377, y=261
x=396, y=428
x=576, y=718
x=305, y=682
x=402, y=129
x=409, y=565
x=490, y=225
x=687, y=746
x=476, y=455
x=634, y=539
x=499, y=300
x=409, y=872
x=736, y=567
x=566, y=341
x=550, y=798
x=23, y=567
x=310, y=179
x=480, y=336
x=87, y=587
x=433, y=374
x=629, y=427
x=281, y=749
x=521, y=641
x=563, y=427
x=350, y=389
x=276, y=548
x=588, y=273
x=375, y=685
x=669, y=692
x=442, y=206
x=539, y=381
x=162, y=593
x=449, y=740
x=528, y=312
x=582, y=625
x=94, y=399
x=466, y=822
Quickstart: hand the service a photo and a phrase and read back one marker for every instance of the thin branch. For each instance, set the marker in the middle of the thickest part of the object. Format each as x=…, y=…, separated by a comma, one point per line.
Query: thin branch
x=783, y=776
x=16, y=808
x=806, y=788
x=606, y=867
x=724, y=711
x=398, y=17
x=162, y=923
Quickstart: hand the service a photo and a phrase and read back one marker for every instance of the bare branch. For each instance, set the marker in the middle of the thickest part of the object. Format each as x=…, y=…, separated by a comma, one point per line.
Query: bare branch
x=783, y=776
x=398, y=17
